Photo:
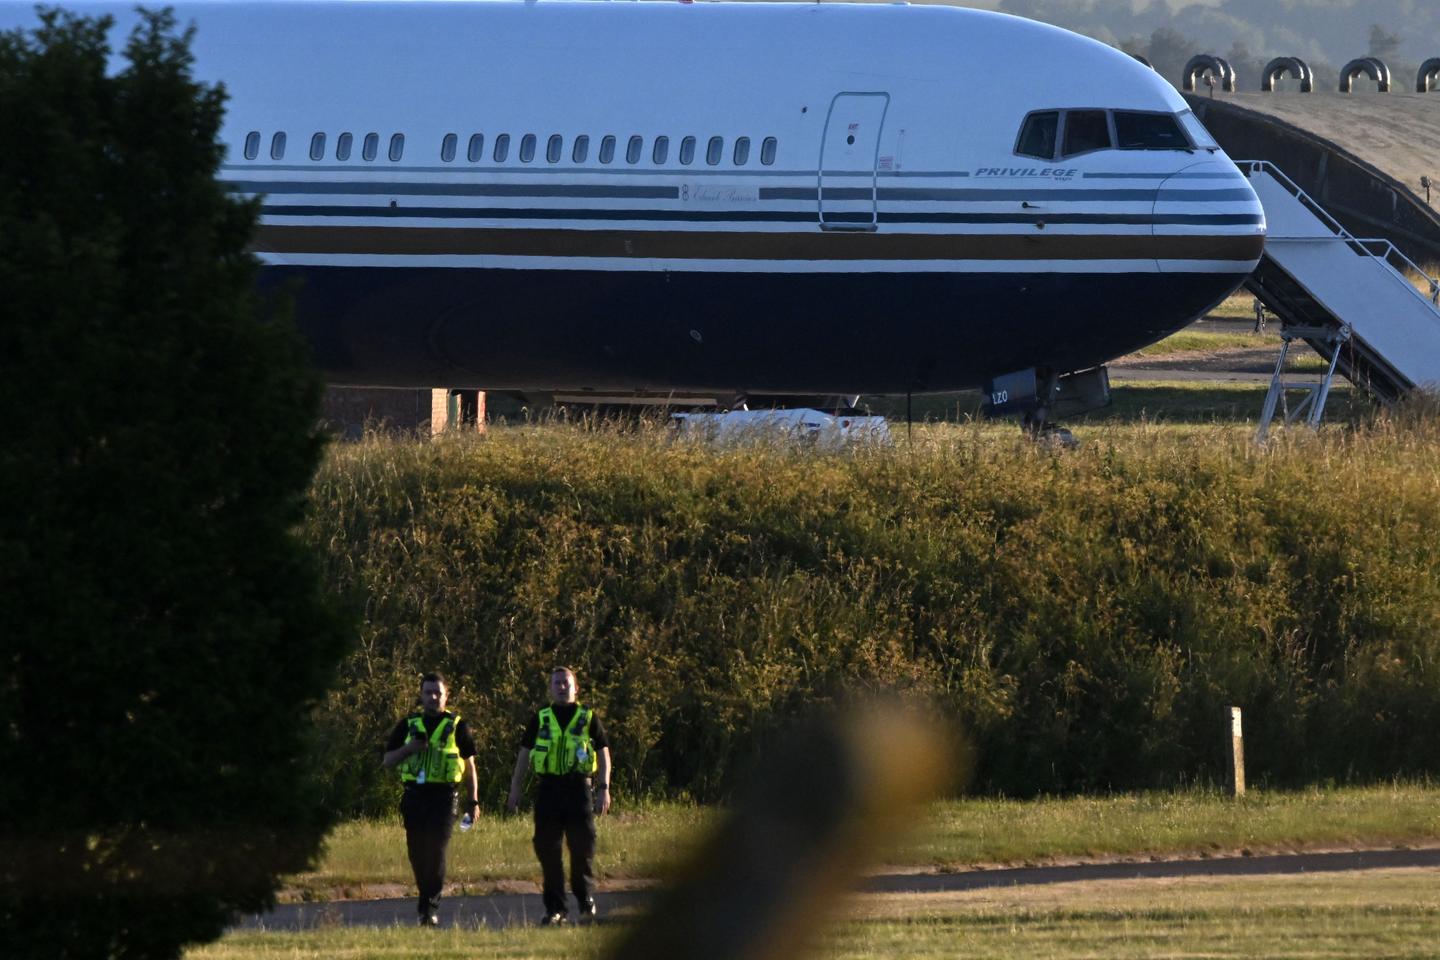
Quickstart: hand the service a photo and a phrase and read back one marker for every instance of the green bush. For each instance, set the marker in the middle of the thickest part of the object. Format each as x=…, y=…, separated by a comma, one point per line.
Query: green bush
x=165, y=633
x=1086, y=618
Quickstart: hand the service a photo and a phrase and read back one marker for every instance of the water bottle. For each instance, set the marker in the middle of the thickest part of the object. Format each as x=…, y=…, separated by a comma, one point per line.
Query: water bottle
x=466, y=822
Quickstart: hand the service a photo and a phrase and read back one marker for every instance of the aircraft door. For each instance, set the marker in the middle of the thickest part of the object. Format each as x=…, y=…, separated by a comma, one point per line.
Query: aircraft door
x=849, y=151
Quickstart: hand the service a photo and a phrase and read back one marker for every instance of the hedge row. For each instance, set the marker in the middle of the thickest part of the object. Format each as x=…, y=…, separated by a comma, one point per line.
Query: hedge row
x=1084, y=619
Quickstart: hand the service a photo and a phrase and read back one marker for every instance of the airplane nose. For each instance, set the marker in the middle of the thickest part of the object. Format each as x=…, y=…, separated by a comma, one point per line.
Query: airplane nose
x=1210, y=198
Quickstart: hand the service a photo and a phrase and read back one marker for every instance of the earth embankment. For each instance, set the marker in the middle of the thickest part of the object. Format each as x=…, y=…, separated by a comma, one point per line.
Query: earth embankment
x=1361, y=155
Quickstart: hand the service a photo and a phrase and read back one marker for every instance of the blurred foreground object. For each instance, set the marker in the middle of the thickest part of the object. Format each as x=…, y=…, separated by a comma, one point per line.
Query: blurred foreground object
x=828, y=799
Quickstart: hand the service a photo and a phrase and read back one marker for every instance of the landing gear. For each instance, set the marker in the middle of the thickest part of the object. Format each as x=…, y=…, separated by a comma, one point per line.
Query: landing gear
x=1038, y=395
x=1040, y=428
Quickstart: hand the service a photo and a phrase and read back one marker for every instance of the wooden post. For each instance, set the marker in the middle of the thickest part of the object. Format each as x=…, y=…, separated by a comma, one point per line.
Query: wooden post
x=1237, y=751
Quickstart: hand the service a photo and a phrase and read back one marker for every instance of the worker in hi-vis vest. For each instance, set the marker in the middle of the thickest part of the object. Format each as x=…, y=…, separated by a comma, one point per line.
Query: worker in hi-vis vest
x=435, y=753
x=566, y=748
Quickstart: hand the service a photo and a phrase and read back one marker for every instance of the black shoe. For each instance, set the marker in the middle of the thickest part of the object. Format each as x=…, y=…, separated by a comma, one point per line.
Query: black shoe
x=555, y=919
x=429, y=920
x=587, y=909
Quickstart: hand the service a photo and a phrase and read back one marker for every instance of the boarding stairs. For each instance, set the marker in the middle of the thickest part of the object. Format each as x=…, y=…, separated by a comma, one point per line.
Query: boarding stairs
x=1348, y=298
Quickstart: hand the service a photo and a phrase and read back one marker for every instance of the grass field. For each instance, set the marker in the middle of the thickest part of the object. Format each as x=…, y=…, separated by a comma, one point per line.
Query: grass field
x=1373, y=914
x=1230, y=407
x=1238, y=306
x=1390, y=913
x=1191, y=340
x=960, y=833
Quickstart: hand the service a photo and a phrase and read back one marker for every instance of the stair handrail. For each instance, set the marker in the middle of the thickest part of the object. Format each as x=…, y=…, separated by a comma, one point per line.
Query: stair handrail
x=1432, y=301
x=1335, y=227
x=1392, y=250
x=1294, y=189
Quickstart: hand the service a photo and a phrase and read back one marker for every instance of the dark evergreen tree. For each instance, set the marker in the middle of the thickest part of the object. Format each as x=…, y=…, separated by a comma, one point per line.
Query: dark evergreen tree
x=164, y=633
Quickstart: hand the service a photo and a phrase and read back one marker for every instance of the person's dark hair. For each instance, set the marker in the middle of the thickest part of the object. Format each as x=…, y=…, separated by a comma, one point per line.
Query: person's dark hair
x=434, y=677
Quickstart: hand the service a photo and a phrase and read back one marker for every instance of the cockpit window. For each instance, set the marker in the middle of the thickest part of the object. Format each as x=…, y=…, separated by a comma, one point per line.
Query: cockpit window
x=1148, y=131
x=1037, y=135
x=1085, y=130
x=1198, y=134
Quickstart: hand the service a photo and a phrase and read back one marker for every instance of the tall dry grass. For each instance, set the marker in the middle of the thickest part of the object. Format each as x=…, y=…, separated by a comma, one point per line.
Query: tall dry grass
x=1084, y=618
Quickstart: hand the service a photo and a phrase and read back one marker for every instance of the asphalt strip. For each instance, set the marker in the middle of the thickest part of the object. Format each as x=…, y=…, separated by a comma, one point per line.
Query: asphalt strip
x=500, y=910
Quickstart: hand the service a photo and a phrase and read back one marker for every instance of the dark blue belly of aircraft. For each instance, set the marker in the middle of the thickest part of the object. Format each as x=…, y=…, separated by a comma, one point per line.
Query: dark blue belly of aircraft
x=726, y=333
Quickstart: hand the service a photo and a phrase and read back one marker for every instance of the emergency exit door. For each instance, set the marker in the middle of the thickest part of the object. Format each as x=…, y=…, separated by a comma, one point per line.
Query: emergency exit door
x=849, y=153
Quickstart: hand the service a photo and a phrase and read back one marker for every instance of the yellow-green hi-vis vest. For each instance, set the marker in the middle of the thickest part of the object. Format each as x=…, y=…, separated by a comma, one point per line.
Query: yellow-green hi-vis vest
x=558, y=752
x=440, y=761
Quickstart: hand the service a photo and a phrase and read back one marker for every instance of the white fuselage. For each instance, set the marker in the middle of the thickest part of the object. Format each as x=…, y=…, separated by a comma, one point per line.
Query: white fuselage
x=797, y=197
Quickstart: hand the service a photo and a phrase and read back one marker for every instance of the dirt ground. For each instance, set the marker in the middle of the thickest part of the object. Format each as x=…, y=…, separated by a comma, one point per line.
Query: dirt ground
x=1232, y=364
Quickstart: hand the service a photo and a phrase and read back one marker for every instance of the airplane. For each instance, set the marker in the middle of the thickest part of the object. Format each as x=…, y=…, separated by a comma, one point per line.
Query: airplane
x=716, y=199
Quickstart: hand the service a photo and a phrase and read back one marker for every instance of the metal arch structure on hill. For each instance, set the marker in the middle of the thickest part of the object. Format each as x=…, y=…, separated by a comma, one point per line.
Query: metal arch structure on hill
x=1276, y=69
x=1217, y=67
x=1428, y=77
x=1372, y=67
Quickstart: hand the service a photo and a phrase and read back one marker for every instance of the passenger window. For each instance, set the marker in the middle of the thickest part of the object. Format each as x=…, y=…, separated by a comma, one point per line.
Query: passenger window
x=317, y=147
x=767, y=151
x=607, y=149
x=527, y=148
x=742, y=151
x=447, y=147
x=252, y=144
x=714, y=149
x=342, y=146
x=475, y=150
x=397, y=147
x=277, y=147
x=633, y=148
x=370, y=146
x=1085, y=130
x=1037, y=135
x=661, y=151
x=554, y=147
x=582, y=149
x=687, y=150
x=1148, y=131
x=502, y=147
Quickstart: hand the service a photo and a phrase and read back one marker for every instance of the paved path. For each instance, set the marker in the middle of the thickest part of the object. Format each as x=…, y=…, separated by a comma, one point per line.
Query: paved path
x=506, y=909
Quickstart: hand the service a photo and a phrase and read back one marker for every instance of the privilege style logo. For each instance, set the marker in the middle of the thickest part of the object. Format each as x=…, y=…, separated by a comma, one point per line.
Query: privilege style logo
x=1048, y=173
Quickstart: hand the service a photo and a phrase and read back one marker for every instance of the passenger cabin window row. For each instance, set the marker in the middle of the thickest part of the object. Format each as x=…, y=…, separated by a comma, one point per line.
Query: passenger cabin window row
x=1058, y=134
x=634, y=151
x=344, y=146
x=500, y=148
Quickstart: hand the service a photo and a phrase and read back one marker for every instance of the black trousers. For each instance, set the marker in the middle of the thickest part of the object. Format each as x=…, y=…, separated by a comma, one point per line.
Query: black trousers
x=565, y=811
x=429, y=815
